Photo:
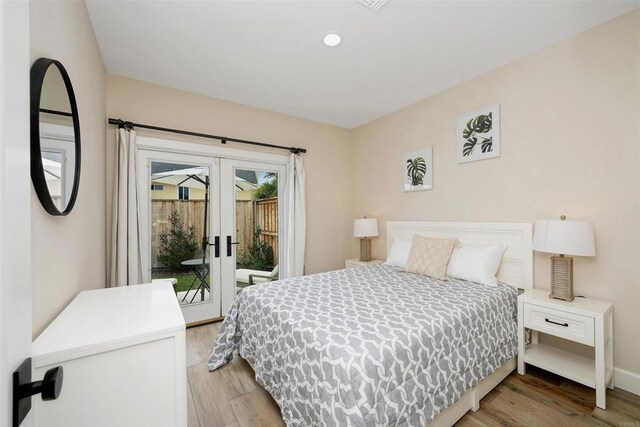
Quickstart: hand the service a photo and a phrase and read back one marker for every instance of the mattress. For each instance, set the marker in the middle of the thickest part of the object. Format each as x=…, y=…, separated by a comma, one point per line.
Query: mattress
x=368, y=346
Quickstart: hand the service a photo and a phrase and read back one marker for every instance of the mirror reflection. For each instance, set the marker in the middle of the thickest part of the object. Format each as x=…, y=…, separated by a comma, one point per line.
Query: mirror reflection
x=57, y=138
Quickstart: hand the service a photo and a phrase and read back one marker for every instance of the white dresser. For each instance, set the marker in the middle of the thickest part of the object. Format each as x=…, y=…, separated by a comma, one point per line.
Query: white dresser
x=123, y=352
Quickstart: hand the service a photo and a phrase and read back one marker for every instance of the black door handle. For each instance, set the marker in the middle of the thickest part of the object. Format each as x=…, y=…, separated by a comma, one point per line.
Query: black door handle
x=216, y=246
x=556, y=323
x=23, y=389
x=229, y=243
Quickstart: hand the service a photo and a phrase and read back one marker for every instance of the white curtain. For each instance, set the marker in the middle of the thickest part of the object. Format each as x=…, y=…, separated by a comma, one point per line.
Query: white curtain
x=296, y=224
x=126, y=260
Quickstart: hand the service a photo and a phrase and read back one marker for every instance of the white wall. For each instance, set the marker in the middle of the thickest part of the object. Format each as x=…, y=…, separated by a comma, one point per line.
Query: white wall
x=68, y=253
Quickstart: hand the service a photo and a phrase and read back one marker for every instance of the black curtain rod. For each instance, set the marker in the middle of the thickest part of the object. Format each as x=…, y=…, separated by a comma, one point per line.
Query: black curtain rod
x=222, y=139
x=56, y=112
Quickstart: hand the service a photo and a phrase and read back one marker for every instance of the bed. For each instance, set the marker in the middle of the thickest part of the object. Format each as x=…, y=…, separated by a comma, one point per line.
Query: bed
x=378, y=346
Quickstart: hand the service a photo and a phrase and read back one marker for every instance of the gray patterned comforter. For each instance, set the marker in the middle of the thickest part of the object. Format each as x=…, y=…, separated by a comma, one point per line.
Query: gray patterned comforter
x=370, y=345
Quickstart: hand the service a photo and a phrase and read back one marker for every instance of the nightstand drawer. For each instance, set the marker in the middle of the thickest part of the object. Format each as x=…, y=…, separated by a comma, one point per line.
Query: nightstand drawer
x=561, y=324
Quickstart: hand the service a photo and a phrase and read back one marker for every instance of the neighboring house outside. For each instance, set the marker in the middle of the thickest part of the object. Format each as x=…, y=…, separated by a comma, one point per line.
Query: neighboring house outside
x=250, y=176
x=162, y=191
x=245, y=195
x=172, y=192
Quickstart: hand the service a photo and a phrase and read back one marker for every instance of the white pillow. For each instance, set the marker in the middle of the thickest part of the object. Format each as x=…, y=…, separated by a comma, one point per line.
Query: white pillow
x=399, y=252
x=476, y=263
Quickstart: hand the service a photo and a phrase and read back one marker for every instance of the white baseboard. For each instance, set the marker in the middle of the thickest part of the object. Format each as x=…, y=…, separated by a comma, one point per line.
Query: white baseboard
x=628, y=381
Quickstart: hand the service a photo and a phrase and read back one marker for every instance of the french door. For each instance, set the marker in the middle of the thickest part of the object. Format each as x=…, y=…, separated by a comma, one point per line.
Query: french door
x=179, y=212
x=211, y=226
x=253, y=224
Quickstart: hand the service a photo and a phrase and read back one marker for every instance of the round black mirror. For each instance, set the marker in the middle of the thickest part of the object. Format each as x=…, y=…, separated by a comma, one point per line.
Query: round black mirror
x=55, y=137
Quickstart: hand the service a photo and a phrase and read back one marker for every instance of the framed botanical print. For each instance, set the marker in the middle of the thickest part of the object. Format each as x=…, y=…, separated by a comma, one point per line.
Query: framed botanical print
x=418, y=169
x=478, y=134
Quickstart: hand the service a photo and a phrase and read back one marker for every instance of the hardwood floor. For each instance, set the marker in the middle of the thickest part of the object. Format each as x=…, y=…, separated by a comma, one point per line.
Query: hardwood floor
x=230, y=396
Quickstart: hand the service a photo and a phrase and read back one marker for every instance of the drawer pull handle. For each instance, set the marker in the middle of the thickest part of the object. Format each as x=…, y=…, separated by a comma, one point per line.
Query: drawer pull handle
x=555, y=323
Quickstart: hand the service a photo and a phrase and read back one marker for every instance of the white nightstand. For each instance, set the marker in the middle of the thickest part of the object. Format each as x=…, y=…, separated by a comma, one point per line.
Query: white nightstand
x=582, y=320
x=355, y=262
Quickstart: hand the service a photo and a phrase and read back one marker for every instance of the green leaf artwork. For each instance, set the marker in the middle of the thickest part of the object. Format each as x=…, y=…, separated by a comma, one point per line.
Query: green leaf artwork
x=478, y=125
x=416, y=170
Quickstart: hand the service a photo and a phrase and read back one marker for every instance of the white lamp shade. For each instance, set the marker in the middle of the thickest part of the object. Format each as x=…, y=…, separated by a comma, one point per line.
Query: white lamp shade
x=366, y=227
x=564, y=237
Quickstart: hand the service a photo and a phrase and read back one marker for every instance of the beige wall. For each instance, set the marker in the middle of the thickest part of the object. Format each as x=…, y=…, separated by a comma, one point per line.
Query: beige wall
x=570, y=145
x=68, y=253
x=327, y=164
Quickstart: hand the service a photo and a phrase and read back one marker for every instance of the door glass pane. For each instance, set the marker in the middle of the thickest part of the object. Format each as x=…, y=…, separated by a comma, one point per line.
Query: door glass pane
x=257, y=231
x=179, y=195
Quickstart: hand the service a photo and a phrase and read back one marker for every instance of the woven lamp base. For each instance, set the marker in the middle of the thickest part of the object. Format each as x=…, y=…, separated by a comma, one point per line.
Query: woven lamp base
x=562, y=278
x=365, y=250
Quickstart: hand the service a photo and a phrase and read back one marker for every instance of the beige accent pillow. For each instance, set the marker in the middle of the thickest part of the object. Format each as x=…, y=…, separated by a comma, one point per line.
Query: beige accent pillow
x=429, y=256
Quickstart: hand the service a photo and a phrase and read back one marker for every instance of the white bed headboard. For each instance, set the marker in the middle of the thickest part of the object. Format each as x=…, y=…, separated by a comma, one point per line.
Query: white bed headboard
x=516, y=268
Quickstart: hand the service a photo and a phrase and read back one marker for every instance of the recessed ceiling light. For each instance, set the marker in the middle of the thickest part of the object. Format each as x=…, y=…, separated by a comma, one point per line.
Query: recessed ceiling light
x=332, y=39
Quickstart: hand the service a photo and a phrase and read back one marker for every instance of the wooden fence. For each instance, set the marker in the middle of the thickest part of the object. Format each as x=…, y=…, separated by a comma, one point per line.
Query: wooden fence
x=267, y=221
x=245, y=224
x=191, y=214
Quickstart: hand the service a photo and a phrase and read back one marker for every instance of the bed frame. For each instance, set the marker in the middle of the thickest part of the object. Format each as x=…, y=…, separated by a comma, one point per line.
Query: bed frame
x=516, y=270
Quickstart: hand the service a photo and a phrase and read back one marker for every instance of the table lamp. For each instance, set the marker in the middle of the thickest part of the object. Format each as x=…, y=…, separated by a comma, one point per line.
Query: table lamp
x=365, y=228
x=563, y=238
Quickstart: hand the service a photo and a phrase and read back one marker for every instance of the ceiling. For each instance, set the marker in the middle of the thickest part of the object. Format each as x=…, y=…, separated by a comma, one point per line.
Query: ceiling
x=269, y=54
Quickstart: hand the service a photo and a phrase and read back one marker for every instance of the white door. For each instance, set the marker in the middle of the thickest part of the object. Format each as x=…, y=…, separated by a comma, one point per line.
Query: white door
x=180, y=228
x=15, y=202
x=253, y=220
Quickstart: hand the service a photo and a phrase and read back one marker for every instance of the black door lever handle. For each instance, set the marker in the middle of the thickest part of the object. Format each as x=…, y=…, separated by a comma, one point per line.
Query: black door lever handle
x=216, y=246
x=23, y=389
x=229, y=243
